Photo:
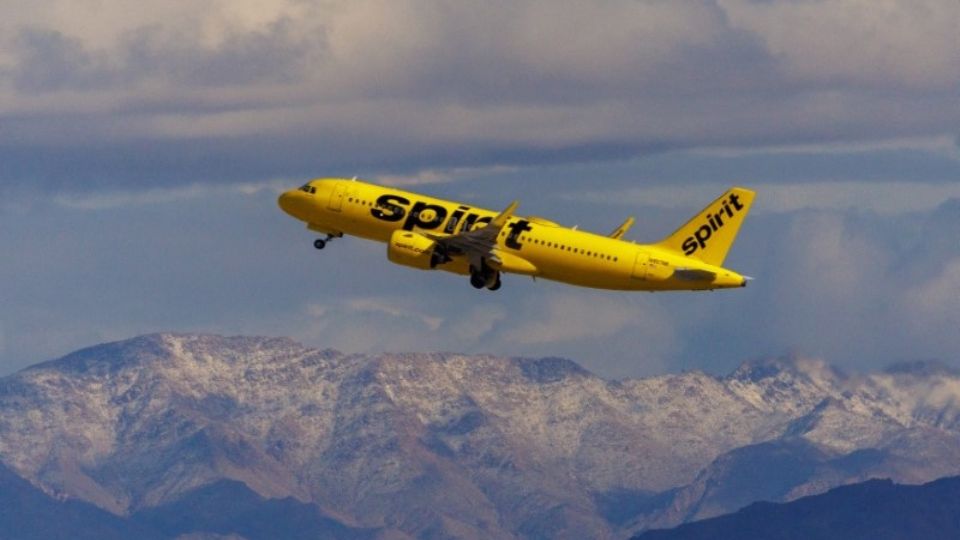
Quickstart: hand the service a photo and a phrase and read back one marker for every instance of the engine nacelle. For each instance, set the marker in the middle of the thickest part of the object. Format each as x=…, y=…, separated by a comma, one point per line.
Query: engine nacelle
x=412, y=249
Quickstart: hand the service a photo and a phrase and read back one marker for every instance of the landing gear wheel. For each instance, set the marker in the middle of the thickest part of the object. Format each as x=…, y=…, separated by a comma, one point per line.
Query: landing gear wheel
x=496, y=284
x=319, y=243
x=477, y=281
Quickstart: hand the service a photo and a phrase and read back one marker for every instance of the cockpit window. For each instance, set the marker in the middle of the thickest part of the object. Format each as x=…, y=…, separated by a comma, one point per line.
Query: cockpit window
x=308, y=189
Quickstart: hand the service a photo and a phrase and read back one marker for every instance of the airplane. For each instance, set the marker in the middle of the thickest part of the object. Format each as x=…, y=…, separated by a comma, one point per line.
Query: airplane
x=432, y=234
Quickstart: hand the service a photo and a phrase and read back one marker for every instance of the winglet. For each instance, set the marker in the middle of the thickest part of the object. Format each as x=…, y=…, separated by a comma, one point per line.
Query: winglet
x=622, y=229
x=501, y=219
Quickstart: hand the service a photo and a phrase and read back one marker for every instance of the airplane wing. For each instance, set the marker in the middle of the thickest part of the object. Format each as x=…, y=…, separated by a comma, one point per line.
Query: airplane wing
x=479, y=243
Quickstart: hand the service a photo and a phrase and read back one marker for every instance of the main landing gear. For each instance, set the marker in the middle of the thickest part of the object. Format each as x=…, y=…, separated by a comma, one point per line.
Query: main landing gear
x=485, y=277
x=321, y=243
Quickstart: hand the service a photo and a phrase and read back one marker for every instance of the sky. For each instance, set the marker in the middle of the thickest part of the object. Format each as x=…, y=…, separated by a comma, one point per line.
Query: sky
x=142, y=148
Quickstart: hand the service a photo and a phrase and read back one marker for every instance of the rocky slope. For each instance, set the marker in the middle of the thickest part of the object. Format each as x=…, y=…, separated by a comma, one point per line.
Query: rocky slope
x=446, y=445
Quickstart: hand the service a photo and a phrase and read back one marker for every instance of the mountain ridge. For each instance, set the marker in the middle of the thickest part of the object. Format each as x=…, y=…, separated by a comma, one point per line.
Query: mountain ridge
x=528, y=447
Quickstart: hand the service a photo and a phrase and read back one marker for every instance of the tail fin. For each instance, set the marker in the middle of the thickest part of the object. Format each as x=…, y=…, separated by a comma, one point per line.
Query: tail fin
x=709, y=235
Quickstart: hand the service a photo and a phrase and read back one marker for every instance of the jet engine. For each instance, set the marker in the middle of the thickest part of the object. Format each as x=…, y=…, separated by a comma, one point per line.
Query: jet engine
x=415, y=250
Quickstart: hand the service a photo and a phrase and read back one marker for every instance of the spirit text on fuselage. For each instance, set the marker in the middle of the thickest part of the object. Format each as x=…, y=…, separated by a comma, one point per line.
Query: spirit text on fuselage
x=426, y=216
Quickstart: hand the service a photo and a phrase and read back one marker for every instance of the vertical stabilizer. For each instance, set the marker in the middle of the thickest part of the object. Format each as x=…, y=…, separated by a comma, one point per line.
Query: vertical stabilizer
x=709, y=235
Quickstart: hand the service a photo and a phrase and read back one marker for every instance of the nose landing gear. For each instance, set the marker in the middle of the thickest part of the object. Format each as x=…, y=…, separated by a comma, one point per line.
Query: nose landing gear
x=321, y=243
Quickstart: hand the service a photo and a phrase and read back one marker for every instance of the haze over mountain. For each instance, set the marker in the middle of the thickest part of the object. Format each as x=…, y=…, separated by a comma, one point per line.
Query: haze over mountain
x=441, y=445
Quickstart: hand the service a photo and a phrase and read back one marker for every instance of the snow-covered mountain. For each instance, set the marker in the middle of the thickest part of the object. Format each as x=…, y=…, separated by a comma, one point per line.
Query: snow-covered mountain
x=441, y=445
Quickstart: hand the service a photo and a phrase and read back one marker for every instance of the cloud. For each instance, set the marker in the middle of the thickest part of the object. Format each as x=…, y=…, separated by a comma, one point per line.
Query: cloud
x=944, y=145
x=50, y=61
x=882, y=197
x=474, y=325
x=157, y=55
x=930, y=307
x=937, y=298
x=862, y=42
x=593, y=326
x=104, y=200
x=858, y=287
x=371, y=305
x=374, y=324
x=572, y=317
x=230, y=90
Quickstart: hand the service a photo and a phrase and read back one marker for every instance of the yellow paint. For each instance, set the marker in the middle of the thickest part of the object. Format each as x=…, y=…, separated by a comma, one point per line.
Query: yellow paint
x=689, y=259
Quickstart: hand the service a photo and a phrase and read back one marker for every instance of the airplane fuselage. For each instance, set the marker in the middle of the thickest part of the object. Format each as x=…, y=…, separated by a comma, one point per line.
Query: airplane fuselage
x=530, y=245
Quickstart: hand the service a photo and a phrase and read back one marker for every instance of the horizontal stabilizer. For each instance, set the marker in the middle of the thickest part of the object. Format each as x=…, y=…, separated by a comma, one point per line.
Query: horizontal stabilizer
x=692, y=274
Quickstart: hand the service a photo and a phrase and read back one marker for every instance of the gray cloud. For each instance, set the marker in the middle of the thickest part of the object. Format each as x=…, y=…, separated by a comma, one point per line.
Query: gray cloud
x=402, y=86
x=855, y=286
x=50, y=61
x=271, y=55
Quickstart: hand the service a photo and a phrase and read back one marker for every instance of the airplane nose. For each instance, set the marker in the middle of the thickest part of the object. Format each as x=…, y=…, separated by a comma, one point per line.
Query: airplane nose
x=290, y=203
x=284, y=201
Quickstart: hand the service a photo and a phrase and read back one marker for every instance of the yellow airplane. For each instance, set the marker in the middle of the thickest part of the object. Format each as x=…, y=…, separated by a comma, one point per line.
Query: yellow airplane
x=427, y=233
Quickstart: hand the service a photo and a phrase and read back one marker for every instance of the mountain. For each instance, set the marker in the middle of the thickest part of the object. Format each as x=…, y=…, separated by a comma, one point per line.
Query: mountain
x=872, y=510
x=224, y=509
x=27, y=513
x=447, y=445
